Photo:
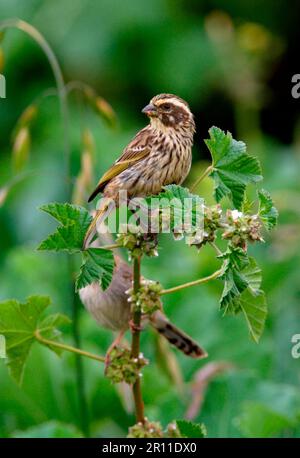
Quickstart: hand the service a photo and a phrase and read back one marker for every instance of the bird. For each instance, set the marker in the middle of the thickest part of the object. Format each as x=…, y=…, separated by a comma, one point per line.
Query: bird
x=160, y=154
x=112, y=310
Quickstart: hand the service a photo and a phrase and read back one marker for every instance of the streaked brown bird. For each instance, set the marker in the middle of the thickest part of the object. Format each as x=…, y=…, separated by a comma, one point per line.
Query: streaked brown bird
x=160, y=154
x=111, y=309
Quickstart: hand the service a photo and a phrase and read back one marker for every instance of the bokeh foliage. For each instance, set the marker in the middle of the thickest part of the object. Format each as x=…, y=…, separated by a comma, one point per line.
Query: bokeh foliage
x=231, y=61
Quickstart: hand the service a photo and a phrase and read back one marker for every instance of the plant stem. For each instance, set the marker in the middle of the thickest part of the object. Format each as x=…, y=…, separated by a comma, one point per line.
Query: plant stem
x=204, y=174
x=69, y=348
x=44, y=45
x=135, y=344
x=216, y=248
x=79, y=86
x=80, y=377
x=110, y=247
x=192, y=283
x=62, y=97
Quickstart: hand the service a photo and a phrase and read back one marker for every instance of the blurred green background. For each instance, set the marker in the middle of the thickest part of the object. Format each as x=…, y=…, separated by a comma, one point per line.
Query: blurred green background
x=233, y=62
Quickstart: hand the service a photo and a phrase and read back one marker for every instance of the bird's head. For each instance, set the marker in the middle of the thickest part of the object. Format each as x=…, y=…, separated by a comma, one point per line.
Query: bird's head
x=169, y=111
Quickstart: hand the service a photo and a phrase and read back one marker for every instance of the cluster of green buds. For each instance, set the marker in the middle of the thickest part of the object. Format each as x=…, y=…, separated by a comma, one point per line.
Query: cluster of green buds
x=147, y=429
x=138, y=242
x=123, y=367
x=242, y=228
x=212, y=221
x=154, y=429
x=147, y=299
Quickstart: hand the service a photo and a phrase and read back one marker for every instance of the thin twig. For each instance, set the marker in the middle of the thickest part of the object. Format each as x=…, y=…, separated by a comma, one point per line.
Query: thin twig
x=204, y=174
x=78, y=85
x=216, y=274
x=216, y=248
x=69, y=348
x=110, y=247
x=135, y=345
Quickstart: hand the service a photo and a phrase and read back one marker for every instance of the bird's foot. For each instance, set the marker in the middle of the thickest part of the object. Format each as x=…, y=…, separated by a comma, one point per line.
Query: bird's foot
x=134, y=328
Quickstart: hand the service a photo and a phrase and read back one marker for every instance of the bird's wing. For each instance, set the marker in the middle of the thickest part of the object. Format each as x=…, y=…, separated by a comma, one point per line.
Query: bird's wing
x=138, y=149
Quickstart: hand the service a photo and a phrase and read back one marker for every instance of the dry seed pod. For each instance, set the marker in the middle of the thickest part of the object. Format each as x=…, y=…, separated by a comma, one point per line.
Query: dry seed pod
x=3, y=194
x=21, y=147
x=88, y=142
x=84, y=180
x=28, y=115
x=106, y=111
x=25, y=120
x=85, y=176
x=100, y=105
x=1, y=60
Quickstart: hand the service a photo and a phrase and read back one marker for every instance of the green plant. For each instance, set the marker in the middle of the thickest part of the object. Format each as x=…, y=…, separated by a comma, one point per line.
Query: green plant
x=238, y=271
x=228, y=231
x=21, y=154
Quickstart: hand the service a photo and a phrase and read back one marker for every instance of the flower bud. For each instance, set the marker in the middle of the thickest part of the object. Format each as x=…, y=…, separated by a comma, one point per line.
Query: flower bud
x=106, y=111
x=137, y=242
x=100, y=105
x=1, y=60
x=124, y=368
x=85, y=177
x=147, y=299
x=28, y=115
x=147, y=429
x=21, y=149
x=3, y=194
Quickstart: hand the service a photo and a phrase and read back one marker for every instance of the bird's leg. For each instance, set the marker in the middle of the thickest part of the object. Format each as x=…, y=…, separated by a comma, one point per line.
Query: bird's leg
x=113, y=345
x=134, y=328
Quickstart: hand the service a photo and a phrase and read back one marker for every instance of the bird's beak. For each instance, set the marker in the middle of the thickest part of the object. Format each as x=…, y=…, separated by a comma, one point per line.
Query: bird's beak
x=150, y=110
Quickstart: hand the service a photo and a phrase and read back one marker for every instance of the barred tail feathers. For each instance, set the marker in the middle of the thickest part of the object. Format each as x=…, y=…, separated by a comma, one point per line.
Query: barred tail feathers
x=176, y=337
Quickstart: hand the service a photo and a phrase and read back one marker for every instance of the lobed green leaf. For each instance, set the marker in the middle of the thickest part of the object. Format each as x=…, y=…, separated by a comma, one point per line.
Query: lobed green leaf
x=233, y=168
x=241, y=293
x=255, y=311
x=98, y=265
x=267, y=212
x=190, y=429
x=19, y=323
x=69, y=236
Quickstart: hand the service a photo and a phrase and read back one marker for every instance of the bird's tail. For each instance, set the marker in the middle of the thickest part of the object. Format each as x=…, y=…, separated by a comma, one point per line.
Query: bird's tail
x=176, y=337
x=92, y=230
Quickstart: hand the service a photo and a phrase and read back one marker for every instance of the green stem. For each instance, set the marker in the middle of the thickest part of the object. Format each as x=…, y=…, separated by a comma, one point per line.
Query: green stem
x=79, y=86
x=110, y=247
x=69, y=348
x=135, y=344
x=80, y=378
x=44, y=45
x=216, y=248
x=192, y=283
x=62, y=96
x=204, y=174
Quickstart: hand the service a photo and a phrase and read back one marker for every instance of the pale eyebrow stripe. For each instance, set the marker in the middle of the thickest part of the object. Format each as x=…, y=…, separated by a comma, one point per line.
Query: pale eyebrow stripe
x=173, y=101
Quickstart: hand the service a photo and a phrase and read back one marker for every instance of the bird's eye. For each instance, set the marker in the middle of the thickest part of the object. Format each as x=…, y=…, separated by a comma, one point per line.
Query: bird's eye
x=166, y=106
